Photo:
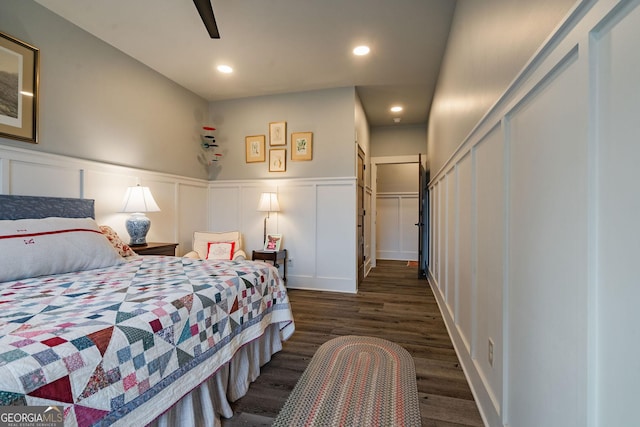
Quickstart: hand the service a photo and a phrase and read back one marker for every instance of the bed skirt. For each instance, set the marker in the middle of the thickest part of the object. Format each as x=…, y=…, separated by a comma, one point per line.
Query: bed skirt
x=207, y=403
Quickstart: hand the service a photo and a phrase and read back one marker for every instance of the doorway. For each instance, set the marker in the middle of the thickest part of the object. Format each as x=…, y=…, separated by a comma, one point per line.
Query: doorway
x=397, y=203
x=361, y=213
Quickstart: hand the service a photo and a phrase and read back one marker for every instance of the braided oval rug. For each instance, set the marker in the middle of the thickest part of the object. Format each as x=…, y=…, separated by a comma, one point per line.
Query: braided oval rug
x=355, y=381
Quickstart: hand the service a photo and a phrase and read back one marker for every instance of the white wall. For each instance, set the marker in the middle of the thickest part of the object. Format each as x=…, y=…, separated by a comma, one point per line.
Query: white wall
x=98, y=103
x=329, y=114
x=397, y=177
x=182, y=200
x=535, y=237
x=398, y=140
x=489, y=43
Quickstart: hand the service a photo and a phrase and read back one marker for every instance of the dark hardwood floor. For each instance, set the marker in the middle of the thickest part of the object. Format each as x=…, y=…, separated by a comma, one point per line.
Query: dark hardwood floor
x=392, y=304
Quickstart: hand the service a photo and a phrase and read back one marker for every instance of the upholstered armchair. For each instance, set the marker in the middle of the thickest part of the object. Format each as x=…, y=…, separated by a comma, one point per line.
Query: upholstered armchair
x=208, y=245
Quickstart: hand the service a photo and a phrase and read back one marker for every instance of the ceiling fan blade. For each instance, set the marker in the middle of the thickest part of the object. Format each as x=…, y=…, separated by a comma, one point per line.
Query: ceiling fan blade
x=206, y=13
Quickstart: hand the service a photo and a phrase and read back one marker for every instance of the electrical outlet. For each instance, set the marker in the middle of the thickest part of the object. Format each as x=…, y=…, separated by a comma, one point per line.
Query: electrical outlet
x=290, y=262
x=490, y=352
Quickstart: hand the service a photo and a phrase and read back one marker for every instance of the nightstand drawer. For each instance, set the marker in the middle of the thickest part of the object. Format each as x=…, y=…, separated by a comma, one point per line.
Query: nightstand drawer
x=155, y=248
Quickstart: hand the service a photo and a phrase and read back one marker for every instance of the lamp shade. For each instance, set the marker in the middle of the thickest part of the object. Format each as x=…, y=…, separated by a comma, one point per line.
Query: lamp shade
x=268, y=203
x=139, y=199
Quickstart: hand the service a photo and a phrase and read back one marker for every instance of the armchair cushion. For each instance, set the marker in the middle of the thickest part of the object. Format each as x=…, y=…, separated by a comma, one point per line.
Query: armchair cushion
x=202, y=239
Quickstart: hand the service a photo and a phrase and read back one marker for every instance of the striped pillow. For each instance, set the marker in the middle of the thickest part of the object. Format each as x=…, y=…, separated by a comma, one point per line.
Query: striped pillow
x=38, y=247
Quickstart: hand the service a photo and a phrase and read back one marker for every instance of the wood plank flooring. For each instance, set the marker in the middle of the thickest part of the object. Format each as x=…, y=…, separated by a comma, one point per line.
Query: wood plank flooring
x=393, y=304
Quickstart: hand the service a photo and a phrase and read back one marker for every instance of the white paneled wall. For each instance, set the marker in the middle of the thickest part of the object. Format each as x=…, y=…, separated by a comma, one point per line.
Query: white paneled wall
x=183, y=201
x=317, y=218
x=464, y=251
x=615, y=208
x=489, y=233
x=535, y=236
x=450, y=239
x=317, y=221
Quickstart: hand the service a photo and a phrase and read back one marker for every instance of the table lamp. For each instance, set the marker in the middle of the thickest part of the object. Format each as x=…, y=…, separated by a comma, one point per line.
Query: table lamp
x=138, y=200
x=268, y=203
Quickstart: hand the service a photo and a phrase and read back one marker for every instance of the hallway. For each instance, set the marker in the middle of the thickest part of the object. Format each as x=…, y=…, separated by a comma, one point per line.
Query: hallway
x=392, y=304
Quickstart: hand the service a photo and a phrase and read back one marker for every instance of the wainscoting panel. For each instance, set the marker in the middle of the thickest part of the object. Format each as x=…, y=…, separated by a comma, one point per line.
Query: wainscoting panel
x=37, y=179
x=317, y=221
x=535, y=238
x=164, y=227
x=336, y=237
x=409, y=210
x=616, y=204
x=439, y=252
x=32, y=173
x=433, y=238
x=490, y=233
x=368, y=223
x=298, y=225
x=226, y=206
x=547, y=223
x=107, y=188
x=450, y=236
x=465, y=284
x=191, y=215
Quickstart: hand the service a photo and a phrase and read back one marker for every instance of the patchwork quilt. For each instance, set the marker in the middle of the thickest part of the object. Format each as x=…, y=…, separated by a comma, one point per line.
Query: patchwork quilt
x=123, y=344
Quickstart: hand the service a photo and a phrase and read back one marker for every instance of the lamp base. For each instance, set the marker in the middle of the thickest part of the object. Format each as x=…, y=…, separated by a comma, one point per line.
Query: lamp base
x=138, y=226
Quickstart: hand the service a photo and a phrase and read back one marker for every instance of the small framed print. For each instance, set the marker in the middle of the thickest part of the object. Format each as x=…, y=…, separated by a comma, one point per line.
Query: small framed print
x=301, y=146
x=277, y=160
x=278, y=133
x=255, y=148
x=273, y=242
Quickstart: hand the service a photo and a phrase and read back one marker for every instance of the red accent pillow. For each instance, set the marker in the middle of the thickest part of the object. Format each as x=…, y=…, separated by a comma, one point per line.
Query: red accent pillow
x=220, y=250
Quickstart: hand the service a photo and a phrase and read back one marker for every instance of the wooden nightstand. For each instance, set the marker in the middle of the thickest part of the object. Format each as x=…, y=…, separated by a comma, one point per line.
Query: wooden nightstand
x=273, y=256
x=155, y=248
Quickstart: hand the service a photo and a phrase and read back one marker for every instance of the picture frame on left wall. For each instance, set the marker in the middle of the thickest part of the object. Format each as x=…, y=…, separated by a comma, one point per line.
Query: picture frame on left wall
x=255, y=150
x=19, y=72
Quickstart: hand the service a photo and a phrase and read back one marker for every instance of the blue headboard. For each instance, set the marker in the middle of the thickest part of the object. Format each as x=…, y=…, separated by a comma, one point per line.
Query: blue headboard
x=21, y=207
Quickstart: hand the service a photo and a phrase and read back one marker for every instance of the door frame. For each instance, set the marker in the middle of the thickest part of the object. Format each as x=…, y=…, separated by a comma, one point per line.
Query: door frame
x=375, y=161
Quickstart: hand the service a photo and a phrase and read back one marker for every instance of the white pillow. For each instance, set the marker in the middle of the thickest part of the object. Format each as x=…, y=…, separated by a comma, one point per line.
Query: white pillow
x=38, y=247
x=220, y=250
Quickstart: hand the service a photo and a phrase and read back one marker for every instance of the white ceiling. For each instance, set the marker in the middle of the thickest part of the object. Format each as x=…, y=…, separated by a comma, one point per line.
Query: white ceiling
x=280, y=46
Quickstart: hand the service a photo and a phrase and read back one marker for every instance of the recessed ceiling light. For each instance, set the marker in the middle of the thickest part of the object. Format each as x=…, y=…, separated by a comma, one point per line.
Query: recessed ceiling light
x=361, y=50
x=225, y=69
x=396, y=108
x=396, y=119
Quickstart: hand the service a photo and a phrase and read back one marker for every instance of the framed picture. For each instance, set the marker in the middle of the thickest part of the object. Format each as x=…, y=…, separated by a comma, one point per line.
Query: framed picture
x=255, y=148
x=273, y=242
x=278, y=133
x=19, y=63
x=277, y=160
x=301, y=145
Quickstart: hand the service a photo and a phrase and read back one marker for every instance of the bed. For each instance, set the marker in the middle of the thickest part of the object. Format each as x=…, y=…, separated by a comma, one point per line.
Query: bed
x=144, y=340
